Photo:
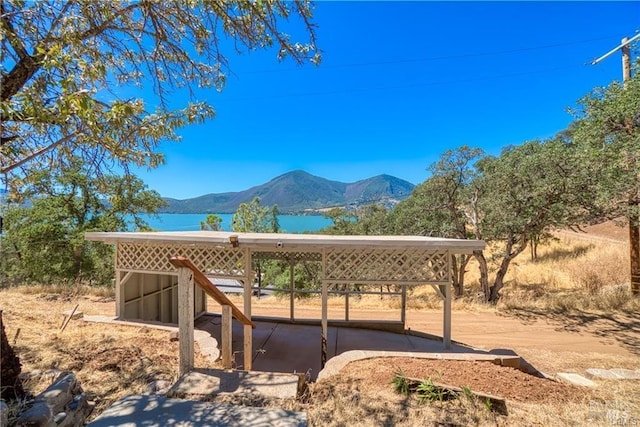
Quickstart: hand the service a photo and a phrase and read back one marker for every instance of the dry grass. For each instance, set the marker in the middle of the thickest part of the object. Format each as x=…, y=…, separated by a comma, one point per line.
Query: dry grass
x=364, y=392
x=110, y=361
x=572, y=275
x=569, y=275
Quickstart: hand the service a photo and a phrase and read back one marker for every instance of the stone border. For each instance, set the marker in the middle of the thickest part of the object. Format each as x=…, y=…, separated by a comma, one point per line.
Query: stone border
x=336, y=363
x=62, y=404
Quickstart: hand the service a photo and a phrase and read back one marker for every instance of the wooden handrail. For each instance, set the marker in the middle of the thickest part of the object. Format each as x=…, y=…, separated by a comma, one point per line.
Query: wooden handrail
x=201, y=280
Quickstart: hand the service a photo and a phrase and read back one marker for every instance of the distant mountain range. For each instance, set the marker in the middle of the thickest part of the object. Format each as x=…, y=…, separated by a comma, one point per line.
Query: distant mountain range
x=300, y=192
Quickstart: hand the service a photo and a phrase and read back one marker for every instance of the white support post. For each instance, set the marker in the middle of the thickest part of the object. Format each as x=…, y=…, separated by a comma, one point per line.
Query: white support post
x=446, y=336
x=403, y=306
x=323, y=357
x=227, y=333
x=324, y=322
x=248, y=330
x=119, y=295
x=119, y=289
x=141, y=296
x=447, y=317
x=346, y=304
x=292, y=290
x=185, y=319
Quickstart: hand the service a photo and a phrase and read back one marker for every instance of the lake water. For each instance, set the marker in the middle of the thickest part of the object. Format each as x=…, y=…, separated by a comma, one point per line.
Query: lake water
x=191, y=222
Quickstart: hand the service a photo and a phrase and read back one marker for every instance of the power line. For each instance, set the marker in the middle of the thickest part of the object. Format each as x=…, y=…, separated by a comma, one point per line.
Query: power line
x=400, y=87
x=428, y=59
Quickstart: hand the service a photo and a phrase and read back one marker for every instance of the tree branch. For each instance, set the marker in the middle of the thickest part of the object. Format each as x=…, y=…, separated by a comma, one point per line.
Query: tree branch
x=43, y=150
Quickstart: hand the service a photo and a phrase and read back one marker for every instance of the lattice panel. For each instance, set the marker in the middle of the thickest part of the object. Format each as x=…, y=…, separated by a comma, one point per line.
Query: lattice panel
x=386, y=265
x=289, y=256
x=155, y=257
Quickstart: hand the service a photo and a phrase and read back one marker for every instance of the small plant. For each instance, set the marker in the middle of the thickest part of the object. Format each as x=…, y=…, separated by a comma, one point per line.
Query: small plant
x=429, y=392
x=468, y=393
x=400, y=383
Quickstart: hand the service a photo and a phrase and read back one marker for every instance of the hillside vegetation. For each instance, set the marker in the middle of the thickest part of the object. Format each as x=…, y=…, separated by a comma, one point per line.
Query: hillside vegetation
x=300, y=191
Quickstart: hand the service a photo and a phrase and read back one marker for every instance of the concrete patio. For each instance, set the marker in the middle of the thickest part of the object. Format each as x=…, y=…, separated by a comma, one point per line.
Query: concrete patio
x=282, y=346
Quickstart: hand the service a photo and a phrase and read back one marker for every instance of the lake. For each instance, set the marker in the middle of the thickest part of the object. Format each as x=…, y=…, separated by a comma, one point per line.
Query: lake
x=191, y=222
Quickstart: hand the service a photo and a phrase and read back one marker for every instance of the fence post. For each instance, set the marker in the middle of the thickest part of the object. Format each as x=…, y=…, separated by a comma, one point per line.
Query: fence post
x=186, y=301
x=227, y=334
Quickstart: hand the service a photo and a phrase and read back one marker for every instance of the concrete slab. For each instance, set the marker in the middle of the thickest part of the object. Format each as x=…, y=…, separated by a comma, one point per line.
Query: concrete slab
x=282, y=346
x=362, y=339
x=603, y=374
x=613, y=374
x=295, y=347
x=575, y=379
x=206, y=383
x=626, y=374
x=159, y=411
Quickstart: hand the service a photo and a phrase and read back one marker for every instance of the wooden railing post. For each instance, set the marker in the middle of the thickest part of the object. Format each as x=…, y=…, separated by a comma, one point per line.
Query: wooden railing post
x=248, y=347
x=188, y=274
x=185, y=318
x=227, y=333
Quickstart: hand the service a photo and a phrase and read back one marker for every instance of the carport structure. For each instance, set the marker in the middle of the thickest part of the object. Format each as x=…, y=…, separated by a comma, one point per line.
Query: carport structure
x=147, y=285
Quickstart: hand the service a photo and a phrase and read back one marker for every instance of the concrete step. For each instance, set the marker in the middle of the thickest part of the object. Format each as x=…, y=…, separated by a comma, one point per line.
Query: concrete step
x=205, y=383
x=575, y=379
x=160, y=411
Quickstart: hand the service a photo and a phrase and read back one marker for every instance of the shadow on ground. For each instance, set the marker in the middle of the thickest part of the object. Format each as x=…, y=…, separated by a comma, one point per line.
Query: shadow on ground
x=623, y=326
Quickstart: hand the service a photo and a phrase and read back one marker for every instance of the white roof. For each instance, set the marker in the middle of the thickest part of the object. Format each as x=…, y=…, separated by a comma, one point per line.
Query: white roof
x=286, y=242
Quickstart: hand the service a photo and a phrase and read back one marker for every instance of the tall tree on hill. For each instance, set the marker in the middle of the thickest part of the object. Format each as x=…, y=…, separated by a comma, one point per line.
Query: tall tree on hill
x=607, y=132
x=525, y=192
x=436, y=207
x=69, y=67
x=505, y=200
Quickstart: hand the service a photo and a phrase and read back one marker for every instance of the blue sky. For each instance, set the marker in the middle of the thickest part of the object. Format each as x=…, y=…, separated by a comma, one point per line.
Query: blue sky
x=399, y=84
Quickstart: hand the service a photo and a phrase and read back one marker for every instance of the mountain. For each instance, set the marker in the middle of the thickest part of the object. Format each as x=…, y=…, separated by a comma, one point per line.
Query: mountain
x=300, y=191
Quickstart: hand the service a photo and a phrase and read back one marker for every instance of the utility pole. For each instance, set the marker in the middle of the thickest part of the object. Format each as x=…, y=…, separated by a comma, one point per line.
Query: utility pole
x=634, y=195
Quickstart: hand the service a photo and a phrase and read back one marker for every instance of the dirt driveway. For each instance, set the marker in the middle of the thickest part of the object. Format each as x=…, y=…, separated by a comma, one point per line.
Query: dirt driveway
x=550, y=340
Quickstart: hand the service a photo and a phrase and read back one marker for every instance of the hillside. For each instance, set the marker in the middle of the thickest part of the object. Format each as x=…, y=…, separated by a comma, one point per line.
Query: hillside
x=300, y=191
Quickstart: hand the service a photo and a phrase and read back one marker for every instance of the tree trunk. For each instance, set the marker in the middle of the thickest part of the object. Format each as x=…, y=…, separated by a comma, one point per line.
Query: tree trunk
x=484, y=273
x=10, y=368
x=510, y=254
x=498, y=283
x=534, y=248
x=459, y=265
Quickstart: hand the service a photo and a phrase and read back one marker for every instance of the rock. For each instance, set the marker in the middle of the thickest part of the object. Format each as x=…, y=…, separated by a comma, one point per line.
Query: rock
x=39, y=414
x=60, y=392
x=62, y=405
x=174, y=336
x=158, y=387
